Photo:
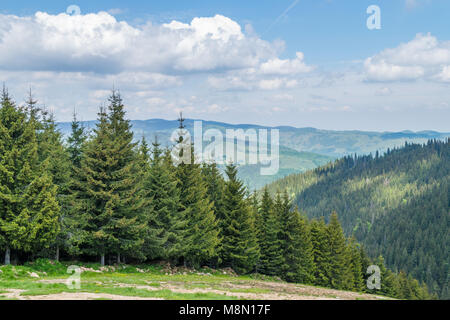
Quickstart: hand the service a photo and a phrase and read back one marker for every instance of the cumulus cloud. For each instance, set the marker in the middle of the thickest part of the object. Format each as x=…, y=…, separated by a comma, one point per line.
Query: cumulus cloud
x=285, y=67
x=385, y=91
x=100, y=43
x=423, y=57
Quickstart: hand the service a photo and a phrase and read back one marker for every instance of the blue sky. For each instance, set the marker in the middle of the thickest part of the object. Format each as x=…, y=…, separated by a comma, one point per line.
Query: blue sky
x=316, y=64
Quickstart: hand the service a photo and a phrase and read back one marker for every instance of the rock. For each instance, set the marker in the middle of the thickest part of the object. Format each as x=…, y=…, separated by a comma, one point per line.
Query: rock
x=33, y=274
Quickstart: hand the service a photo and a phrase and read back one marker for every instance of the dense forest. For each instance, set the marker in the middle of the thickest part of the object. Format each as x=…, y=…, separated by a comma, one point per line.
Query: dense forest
x=395, y=204
x=103, y=196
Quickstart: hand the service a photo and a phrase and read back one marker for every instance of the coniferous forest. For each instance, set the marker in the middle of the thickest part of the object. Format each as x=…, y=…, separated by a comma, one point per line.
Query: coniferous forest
x=100, y=196
x=396, y=205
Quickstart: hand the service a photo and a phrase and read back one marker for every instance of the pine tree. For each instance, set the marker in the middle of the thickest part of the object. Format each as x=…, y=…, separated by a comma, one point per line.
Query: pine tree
x=29, y=210
x=202, y=234
x=270, y=245
x=240, y=249
x=109, y=198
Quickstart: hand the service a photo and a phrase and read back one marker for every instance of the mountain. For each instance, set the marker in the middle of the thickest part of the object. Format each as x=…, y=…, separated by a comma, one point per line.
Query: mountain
x=397, y=205
x=301, y=149
x=325, y=142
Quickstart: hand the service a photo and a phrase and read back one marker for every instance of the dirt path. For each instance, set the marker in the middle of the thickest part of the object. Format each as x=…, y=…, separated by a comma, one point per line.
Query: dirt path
x=16, y=294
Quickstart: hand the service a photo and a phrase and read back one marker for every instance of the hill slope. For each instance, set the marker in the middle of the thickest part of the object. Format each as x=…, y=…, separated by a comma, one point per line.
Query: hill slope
x=397, y=205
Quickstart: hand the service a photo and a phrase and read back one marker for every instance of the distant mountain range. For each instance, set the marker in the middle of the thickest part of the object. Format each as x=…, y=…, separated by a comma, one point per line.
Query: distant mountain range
x=301, y=149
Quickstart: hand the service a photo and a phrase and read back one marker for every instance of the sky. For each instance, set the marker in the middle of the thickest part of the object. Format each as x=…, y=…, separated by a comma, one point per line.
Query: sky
x=303, y=63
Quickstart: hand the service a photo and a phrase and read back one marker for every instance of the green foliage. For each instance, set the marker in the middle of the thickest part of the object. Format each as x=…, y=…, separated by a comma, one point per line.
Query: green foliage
x=271, y=261
x=29, y=210
x=239, y=248
x=396, y=205
x=201, y=237
x=106, y=196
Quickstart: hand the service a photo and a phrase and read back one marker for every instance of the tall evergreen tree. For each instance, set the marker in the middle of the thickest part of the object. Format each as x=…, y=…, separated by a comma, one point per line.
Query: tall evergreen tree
x=339, y=273
x=297, y=248
x=240, y=249
x=29, y=210
x=270, y=244
x=321, y=252
x=202, y=234
x=55, y=160
x=108, y=194
x=165, y=218
x=76, y=142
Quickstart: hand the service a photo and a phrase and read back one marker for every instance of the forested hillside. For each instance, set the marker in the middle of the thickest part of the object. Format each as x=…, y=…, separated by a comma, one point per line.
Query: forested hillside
x=109, y=199
x=396, y=204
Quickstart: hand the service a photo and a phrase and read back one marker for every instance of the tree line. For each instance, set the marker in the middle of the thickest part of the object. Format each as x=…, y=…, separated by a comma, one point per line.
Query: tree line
x=101, y=194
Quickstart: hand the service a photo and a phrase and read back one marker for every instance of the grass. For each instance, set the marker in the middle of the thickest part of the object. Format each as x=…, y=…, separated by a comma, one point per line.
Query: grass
x=142, y=281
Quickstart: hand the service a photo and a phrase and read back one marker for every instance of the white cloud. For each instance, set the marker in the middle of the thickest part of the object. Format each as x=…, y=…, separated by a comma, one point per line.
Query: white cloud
x=385, y=91
x=444, y=75
x=286, y=67
x=100, y=43
x=422, y=57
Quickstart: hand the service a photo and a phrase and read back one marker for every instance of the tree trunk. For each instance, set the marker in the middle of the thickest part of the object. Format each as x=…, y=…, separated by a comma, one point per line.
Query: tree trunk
x=57, y=253
x=7, y=256
x=118, y=258
x=102, y=259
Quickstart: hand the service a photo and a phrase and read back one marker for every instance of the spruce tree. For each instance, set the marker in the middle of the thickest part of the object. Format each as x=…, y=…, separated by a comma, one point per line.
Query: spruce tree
x=164, y=220
x=239, y=249
x=356, y=265
x=339, y=272
x=321, y=252
x=202, y=234
x=29, y=210
x=297, y=249
x=270, y=245
x=215, y=185
x=109, y=199
x=55, y=160
x=76, y=142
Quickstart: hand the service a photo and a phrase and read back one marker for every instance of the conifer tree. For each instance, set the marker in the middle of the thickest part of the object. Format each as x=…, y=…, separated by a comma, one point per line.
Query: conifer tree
x=167, y=222
x=240, y=249
x=109, y=197
x=29, y=210
x=356, y=265
x=297, y=248
x=215, y=184
x=76, y=142
x=270, y=245
x=202, y=234
x=55, y=160
x=321, y=252
x=339, y=272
